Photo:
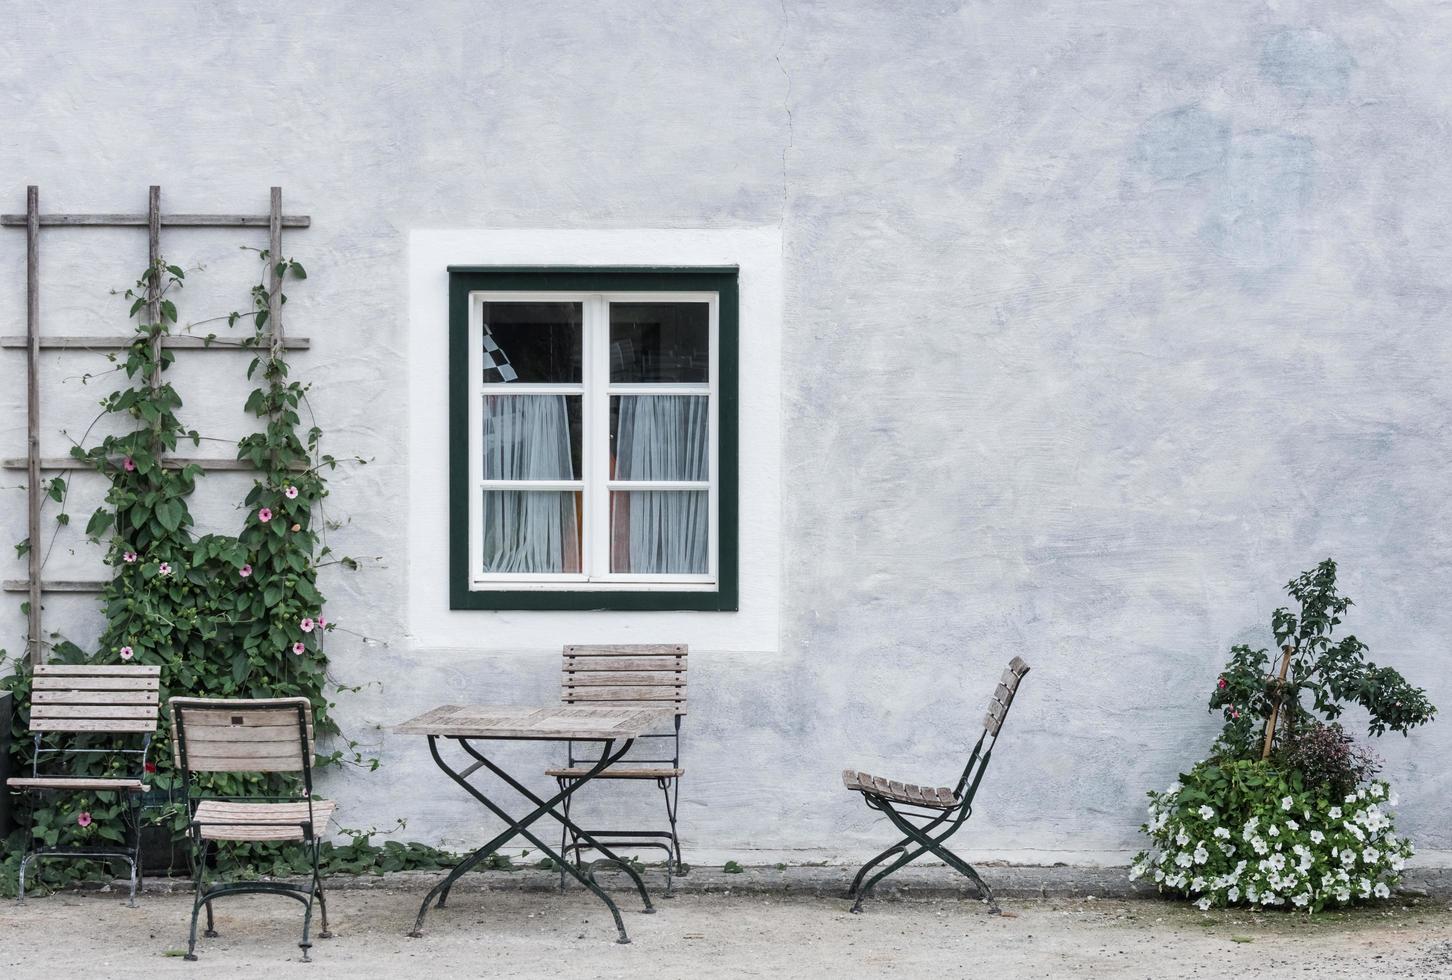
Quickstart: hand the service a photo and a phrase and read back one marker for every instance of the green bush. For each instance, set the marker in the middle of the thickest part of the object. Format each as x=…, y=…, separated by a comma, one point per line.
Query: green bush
x=1245, y=832
x=1286, y=811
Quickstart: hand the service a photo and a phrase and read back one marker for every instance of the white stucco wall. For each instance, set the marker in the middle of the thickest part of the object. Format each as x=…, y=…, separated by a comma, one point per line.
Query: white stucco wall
x=1096, y=323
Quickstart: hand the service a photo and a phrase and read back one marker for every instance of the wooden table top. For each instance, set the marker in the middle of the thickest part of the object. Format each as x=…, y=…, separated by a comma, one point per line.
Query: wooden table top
x=561, y=722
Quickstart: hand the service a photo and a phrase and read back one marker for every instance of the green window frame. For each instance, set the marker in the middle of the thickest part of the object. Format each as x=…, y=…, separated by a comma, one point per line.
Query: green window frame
x=721, y=280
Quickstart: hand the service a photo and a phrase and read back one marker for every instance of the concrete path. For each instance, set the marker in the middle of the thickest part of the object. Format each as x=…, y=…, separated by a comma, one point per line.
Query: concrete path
x=513, y=932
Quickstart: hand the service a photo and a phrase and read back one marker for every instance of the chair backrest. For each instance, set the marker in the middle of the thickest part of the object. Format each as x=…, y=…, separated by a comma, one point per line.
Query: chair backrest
x=258, y=735
x=642, y=676
x=74, y=698
x=1003, y=695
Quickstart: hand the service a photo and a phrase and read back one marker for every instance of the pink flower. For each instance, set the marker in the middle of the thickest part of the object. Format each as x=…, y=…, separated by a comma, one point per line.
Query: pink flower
x=1222, y=685
x=264, y=515
x=298, y=648
x=290, y=493
x=83, y=818
x=129, y=557
x=1234, y=713
x=150, y=767
x=245, y=571
x=307, y=624
x=125, y=653
x=322, y=622
x=129, y=465
x=163, y=569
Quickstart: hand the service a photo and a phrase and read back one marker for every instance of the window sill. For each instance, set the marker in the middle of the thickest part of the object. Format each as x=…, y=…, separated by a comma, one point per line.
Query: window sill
x=683, y=598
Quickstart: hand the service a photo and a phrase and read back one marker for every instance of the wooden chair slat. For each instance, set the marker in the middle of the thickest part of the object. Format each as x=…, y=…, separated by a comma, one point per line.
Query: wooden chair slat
x=627, y=650
x=584, y=665
x=93, y=697
x=111, y=726
x=53, y=711
x=97, y=670
x=574, y=695
x=77, y=782
x=634, y=679
x=71, y=683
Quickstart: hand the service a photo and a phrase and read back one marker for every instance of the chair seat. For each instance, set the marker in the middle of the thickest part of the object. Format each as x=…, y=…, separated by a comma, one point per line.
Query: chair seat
x=617, y=772
x=260, y=821
x=936, y=797
x=77, y=783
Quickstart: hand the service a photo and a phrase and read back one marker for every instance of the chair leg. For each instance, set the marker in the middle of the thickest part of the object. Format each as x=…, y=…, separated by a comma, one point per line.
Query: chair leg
x=862, y=872
x=322, y=900
x=24, y=862
x=306, y=944
x=937, y=847
x=199, y=861
x=135, y=849
x=564, y=833
x=211, y=932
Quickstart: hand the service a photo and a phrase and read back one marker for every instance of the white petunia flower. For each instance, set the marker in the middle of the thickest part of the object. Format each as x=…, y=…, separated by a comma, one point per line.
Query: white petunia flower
x=1203, y=905
x=1206, y=813
x=1381, y=890
x=1293, y=825
x=1222, y=833
x=1334, y=813
x=1273, y=830
x=1302, y=900
x=1287, y=802
x=1183, y=859
x=1317, y=837
x=1377, y=791
x=1371, y=855
x=1233, y=893
x=1201, y=855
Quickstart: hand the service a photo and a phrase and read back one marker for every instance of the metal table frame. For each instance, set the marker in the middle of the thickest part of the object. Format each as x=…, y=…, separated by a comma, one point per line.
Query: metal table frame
x=519, y=827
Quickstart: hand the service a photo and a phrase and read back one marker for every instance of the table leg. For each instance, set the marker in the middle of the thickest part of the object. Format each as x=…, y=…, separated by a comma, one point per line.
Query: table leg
x=516, y=828
x=563, y=817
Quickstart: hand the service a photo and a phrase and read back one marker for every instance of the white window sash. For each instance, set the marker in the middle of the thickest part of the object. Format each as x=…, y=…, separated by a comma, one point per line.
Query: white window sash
x=595, y=391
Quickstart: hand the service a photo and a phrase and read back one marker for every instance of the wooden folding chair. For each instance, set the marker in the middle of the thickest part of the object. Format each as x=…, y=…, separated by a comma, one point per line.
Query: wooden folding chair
x=83, y=700
x=928, y=816
x=267, y=735
x=649, y=676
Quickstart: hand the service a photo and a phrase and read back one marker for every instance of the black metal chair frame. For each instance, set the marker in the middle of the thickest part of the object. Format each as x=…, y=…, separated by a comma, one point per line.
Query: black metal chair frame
x=205, y=894
x=666, y=840
x=926, y=830
x=130, y=853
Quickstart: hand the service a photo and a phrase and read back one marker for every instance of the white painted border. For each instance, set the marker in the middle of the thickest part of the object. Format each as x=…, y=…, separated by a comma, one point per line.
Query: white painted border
x=758, y=252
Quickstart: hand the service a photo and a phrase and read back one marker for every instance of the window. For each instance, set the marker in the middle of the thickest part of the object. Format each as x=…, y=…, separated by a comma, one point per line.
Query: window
x=593, y=438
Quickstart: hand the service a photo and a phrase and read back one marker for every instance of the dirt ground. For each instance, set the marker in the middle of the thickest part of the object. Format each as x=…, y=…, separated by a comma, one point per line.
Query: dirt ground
x=534, y=934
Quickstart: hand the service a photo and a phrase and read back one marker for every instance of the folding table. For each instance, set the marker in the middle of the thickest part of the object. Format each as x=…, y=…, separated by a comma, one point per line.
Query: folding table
x=615, y=729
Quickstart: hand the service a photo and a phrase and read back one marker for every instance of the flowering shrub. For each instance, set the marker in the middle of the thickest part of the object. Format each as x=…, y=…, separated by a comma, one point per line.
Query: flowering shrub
x=1248, y=833
x=222, y=615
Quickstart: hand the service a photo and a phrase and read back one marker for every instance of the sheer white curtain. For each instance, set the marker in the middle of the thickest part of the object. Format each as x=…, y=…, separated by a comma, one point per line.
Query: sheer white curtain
x=527, y=437
x=661, y=437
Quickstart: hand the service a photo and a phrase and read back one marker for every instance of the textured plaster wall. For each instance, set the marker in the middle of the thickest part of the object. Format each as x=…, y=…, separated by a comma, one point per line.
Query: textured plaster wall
x=1100, y=321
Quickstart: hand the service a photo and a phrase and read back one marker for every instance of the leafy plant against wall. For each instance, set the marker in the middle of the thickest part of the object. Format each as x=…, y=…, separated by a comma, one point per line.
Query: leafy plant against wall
x=1286, y=811
x=1315, y=675
x=222, y=615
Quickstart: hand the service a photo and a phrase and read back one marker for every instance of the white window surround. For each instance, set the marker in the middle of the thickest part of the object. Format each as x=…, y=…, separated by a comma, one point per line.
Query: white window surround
x=595, y=389
x=758, y=254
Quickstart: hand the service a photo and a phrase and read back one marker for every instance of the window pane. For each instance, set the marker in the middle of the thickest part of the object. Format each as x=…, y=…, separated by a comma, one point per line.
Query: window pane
x=532, y=437
x=531, y=531
x=535, y=343
x=665, y=342
x=660, y=437
x=658, y=532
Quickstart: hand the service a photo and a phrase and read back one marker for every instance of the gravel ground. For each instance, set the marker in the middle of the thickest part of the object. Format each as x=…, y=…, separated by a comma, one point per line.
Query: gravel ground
x=521, y=933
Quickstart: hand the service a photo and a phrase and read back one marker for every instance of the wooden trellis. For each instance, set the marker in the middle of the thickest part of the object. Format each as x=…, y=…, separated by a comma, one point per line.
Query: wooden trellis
x=33, y=343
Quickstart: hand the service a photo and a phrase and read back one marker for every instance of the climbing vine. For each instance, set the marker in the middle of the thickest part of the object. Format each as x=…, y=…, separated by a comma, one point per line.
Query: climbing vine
x=222, y=615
